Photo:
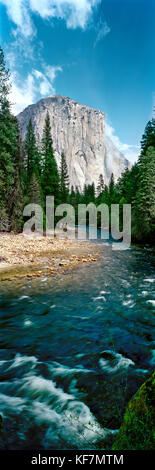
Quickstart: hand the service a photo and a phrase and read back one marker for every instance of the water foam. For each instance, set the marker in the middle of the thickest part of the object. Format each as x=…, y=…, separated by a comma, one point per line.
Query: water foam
x=152, y=302
x=112, y=362
x=21, y=360
x=59, y=369
x=61, y=415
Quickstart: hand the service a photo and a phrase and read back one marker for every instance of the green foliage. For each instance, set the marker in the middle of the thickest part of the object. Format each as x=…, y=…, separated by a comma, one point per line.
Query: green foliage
x=148, y=138
x=111, y=188
x=17, y=200
x=137, y=187
x=31, y=157
x=137, y=430
x=64, y=180
x=127, y=184
x=31, y=172
x=144, y=202
x=100, y=186
x=4, y=81
x=104, y=199
x=9, y=135
x=89, y=194
x=35, y=193
x=50, y=176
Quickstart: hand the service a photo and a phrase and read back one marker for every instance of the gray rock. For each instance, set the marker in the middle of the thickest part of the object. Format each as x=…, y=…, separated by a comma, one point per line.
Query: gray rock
x=79, y=132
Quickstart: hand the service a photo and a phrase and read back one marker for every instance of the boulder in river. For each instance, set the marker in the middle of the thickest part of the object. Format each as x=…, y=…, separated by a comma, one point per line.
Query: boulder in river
x=138, y=429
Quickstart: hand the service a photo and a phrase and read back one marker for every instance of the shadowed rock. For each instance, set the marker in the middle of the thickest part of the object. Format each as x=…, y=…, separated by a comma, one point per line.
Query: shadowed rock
x=137, y=430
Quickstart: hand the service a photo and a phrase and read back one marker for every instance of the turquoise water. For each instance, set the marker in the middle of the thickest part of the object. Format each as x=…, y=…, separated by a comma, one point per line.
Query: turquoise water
x=74, y=350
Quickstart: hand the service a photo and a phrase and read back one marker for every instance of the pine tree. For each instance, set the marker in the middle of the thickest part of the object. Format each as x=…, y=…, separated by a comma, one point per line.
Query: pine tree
x=17, y=200
x=148, y=138
x=8, y=146
x=4, y=82
x=144, y=203
x=100, y=186
x=105, y=196
x=50, y=174
x=127, y=185
x=35, y=195
x=89, y=193
x=32, y=159
x=111, y=188
x=64, y=180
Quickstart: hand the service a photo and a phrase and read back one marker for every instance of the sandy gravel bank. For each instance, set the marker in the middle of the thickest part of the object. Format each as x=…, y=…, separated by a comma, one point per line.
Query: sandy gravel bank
x=21, y=256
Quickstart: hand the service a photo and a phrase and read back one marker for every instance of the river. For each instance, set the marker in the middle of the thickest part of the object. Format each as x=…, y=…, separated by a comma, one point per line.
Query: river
x=74, y=349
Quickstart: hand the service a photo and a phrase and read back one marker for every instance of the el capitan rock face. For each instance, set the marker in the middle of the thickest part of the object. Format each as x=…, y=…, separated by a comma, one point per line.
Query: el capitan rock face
x=79, y=132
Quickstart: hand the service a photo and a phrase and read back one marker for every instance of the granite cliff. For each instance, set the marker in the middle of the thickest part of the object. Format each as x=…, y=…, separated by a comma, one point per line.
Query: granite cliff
x=79, y=132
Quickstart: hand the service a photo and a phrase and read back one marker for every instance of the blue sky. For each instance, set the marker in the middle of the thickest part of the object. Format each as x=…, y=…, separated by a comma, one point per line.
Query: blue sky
x=98, y=52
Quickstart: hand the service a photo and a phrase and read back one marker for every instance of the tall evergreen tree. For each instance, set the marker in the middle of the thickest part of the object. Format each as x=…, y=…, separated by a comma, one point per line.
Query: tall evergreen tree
x=50, y=174
x=64, y=180
x=111, y=188
x=100, y=186
x=32, y=158
x=89, y=193
x=148, y=138
x=35, y=194
x=8, y=146
x=144, y=203
x=4, y=82
x=17, y=200
x=127, y=185
x=105, y=195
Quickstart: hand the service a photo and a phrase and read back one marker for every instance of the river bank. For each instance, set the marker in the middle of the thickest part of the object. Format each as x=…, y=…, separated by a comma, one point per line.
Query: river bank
x=22, y=256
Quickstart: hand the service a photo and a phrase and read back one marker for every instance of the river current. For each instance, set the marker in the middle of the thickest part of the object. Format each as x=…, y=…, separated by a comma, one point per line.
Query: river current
x=74, y=350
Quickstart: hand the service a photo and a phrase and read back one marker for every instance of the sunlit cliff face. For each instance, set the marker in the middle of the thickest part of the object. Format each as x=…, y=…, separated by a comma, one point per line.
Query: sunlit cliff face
x=79, y=132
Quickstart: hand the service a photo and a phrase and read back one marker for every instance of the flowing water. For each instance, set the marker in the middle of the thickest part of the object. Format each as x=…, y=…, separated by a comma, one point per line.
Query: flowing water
x=74, y=350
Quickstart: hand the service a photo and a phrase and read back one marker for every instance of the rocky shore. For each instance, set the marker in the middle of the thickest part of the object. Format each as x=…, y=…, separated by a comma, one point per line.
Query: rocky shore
x=22, y=256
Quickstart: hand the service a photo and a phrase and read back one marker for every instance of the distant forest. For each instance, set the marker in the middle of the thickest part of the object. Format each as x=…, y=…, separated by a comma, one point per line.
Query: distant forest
x=29, y=173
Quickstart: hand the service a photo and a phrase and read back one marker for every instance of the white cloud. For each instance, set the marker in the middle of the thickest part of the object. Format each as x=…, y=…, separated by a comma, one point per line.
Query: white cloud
x=26, y=92
x=18, y=11
x=46, y=79
x=51, y=71
x=102, y=30
x=76, y=13
x=11, y=59
x=131, y=152
x=22, y=95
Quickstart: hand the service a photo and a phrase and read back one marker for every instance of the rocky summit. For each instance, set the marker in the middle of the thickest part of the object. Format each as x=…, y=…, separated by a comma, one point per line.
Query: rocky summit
x=79, y=132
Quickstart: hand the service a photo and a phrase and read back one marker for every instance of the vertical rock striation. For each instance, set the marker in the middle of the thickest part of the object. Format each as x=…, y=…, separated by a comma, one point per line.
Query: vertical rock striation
x=79, y=132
